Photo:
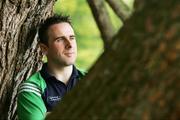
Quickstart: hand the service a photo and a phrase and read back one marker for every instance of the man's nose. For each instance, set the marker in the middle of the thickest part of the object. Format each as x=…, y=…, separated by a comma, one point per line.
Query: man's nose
x=68, y=43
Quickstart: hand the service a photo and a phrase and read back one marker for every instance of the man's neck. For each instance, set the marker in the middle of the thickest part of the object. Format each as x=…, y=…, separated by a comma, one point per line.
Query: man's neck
x=62, y=73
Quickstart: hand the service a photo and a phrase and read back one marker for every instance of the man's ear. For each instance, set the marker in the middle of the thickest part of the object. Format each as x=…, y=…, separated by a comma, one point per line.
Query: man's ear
x=44, y=48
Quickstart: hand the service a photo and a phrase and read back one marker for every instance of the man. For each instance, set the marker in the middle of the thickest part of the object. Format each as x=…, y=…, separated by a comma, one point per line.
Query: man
x=44, y=89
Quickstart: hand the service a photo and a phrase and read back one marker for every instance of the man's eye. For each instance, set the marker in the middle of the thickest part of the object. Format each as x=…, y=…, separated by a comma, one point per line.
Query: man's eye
x=59, y=39
x=72, y=38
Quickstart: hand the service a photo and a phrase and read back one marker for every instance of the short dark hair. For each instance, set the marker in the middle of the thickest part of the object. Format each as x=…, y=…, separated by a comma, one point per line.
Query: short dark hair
x=44, y=26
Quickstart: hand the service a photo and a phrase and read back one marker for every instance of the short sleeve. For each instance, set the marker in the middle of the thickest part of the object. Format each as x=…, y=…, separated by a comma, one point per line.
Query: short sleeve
x=30, y=105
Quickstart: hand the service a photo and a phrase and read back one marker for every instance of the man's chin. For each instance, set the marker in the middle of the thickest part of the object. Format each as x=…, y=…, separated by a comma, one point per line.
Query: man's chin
x=70, y=63
x=66, y=62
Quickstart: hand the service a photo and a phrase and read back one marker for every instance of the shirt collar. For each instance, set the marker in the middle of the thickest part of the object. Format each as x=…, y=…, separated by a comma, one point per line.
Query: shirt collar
x=45, y=74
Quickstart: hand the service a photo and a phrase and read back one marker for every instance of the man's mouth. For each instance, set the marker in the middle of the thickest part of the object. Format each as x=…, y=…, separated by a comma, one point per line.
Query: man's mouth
x=69, y=54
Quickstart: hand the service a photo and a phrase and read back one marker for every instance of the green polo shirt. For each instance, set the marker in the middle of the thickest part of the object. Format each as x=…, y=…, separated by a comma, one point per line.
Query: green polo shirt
x=30, y=105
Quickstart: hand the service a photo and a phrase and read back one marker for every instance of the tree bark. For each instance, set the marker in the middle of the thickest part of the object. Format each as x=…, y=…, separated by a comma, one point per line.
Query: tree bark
x=19, y=53
x=137, y=77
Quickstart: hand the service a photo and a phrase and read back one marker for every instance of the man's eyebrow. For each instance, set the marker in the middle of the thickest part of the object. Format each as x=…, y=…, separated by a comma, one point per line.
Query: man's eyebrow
x=63, y=37
x=59, y=37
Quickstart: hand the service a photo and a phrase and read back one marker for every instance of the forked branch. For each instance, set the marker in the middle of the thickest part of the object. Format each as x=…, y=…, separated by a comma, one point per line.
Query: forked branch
x=102, y=19
x=120, y=8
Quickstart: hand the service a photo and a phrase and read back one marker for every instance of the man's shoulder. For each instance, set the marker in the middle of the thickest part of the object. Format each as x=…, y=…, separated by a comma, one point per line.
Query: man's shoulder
x=36, y=80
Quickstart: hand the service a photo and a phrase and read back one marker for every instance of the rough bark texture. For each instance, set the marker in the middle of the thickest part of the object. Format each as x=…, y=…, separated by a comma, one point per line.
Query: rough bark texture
x=138, y=76
x=19, y=54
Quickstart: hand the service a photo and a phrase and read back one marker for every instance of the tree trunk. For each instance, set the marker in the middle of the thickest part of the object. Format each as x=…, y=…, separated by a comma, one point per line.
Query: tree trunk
x=137, y=77
x=19, y=53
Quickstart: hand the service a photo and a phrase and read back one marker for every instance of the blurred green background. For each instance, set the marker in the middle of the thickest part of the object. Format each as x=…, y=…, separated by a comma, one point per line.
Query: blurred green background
x=90, y=44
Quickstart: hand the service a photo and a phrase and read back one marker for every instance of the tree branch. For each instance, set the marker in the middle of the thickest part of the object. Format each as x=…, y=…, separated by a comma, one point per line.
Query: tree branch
x=102, y=19
x=120, y=8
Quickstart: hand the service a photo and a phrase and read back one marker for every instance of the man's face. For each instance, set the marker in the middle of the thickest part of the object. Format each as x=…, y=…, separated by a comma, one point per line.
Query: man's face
x=62, y=48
